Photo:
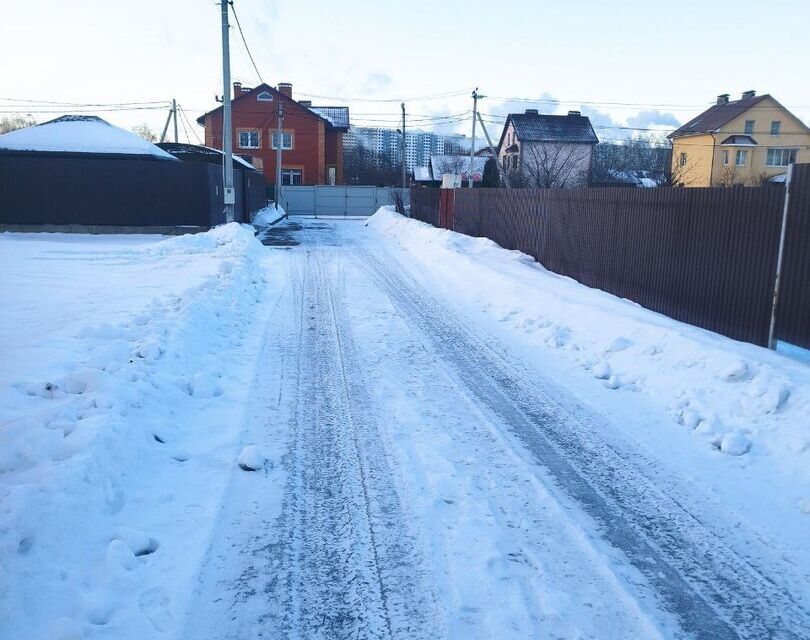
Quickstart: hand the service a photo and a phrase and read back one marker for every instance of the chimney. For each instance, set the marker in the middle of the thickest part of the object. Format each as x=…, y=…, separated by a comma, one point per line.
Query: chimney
x=748, y=94
x=305, y=103
x=722, y=98
x=531, y=112
x=574, y=113
x=285, y=88
x=237, y=89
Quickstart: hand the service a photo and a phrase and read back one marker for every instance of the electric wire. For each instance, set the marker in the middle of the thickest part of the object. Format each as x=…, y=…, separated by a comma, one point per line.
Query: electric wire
x=244, y=41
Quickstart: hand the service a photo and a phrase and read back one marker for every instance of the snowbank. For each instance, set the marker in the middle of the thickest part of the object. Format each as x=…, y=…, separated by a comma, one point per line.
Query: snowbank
x=120, y=433
x=268, y=215
x=729, y=397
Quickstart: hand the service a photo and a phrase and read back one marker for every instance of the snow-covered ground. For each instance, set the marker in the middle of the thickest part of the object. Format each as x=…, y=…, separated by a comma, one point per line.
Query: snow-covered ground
x=382, y=430
x=121, y=392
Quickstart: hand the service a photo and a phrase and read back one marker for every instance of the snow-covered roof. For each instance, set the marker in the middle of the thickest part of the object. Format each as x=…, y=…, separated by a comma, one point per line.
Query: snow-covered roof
x=80, y=134
x=337, y=116
x=422, y=174
x=186, y=151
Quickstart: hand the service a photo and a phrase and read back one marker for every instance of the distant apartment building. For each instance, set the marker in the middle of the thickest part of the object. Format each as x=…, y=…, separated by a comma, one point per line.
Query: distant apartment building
x=419, y=145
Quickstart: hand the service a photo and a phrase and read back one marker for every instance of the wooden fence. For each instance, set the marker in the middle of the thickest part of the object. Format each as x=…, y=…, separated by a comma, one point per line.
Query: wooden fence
x=702, y=256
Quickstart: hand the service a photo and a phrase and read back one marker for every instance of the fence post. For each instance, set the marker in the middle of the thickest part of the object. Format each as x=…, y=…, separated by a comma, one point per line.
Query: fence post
x=782, y=234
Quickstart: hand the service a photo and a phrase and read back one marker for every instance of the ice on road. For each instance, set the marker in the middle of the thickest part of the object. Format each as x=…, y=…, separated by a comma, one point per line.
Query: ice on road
x=422, y=480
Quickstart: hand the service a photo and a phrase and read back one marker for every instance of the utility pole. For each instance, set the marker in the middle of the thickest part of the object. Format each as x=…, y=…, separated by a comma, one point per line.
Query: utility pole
x=279, y=145
x=782, y=236
x=494, y=154
x=472, y=148
x=174, y=113
x=404, y=146
x=166, y=126
x=229, y=198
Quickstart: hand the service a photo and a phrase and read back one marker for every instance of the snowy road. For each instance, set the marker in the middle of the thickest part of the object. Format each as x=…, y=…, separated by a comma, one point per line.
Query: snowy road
x=424, y=481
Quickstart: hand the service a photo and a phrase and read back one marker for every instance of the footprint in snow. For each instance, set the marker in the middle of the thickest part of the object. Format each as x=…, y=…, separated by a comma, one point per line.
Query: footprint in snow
x=154, y=605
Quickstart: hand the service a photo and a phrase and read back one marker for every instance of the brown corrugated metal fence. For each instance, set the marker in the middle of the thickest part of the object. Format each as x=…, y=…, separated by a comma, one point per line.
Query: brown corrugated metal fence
x=793, y=312
x=702, y=256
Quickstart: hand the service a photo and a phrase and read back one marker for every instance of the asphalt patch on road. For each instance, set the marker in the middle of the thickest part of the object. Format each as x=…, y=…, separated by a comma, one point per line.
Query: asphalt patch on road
x=280, y=235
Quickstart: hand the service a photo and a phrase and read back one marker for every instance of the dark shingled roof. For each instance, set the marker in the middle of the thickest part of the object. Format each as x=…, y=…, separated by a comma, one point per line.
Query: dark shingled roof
x=716, y=116
x=338, y=117
x=737, y=140
x=534, y=127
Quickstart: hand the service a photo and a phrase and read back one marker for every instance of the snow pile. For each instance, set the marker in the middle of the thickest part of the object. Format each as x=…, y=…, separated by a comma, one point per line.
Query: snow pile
x=80, y=134
x=119, y=436
x=251, y=459
x=268, y=215
x=731, y=397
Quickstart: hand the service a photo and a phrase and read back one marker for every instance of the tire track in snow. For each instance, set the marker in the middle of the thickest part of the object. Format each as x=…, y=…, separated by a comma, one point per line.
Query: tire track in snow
x=346, y=565
x=713, y=592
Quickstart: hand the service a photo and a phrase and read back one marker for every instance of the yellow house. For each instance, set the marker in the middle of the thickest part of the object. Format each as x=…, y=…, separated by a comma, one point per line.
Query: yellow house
x=738, y=142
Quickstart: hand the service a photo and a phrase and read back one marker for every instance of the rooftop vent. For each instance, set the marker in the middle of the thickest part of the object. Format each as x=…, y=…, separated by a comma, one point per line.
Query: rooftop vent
x=531, y=112
x=722, y=98
x=574, y=113
x=748, y=94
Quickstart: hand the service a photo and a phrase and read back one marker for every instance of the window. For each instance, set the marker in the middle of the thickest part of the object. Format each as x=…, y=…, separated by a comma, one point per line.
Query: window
x=776, y=125
x=749, y=126
x=291, y=177
x=264, y=96
x=286, y=140
x=778, y=157
x=682, y=160
x=725, y=157
x=740, y=159
x=249, y=139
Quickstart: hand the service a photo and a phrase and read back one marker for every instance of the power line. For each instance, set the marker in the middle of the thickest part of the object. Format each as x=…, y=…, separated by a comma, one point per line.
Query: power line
x=436, y=96
x=496, y=119
x=244, y=41
x=639, y=105
x=83, y=110
x=184, y=116
x=85, y=104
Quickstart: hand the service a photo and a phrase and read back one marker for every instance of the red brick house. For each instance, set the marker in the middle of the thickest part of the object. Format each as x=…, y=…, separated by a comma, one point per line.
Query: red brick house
x=311, y=140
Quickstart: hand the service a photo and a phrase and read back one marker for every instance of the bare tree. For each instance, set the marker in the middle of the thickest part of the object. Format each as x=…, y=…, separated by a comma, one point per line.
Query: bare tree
x=555, y=164
x=145, y=131
x=730, y=176
x=13, y=123
x=457, y=165
x=363, y=166
x=680, y=174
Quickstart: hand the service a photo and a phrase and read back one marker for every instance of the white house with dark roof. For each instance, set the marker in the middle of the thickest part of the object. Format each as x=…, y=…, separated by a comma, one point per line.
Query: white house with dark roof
x=548, y=151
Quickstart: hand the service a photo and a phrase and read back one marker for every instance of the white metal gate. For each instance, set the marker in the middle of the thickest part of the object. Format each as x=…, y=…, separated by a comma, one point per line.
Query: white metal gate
x=340, y=201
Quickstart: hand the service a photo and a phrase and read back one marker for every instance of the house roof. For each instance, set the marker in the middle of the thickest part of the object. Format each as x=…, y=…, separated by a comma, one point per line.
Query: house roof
x=739, y=141
x=538, y=127
x=80, y=134
x=716, y=116
x=422, y=174
x=337, y=117
x=199, y=153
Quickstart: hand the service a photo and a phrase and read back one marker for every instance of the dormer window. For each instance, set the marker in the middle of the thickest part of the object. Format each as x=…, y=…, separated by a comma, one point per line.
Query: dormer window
x=265, y=96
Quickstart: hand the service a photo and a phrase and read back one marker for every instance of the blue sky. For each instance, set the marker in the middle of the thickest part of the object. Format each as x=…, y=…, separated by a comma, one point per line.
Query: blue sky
x=624, y=63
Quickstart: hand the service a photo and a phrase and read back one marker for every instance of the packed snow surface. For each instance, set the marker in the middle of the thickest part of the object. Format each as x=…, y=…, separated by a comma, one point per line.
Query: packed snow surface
x=385, y=431
x=84, y=135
